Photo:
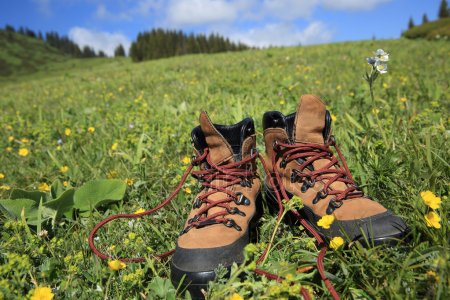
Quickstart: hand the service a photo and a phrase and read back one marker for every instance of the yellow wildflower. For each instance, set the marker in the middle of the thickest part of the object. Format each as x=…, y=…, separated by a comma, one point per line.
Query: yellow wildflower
x=24, y=152
x=432, y=219
x=42, y=293
x=236, y=296
x=91, y=129
x=8, y=127
x=44, y=187
x=188, y=190
x=186, y=160
x=65, y=183
x=385, y=85
x=326, y=221
x=116, y=265
x=24, y=140
x=67, y=131
x=433, y=274
x=132, y=235
x=140, y=210
x=114, y=146
x=375, y=111
x=430, y=199
x=5, y=187
x=64, y=169
x=336, y=242
x=282, y=102
x=9, y=149
x=351, y=94
x=112, y=174
x=2, y=176
x=333, y=117
x=338, y=87
x=10, y=138
x=403, y=99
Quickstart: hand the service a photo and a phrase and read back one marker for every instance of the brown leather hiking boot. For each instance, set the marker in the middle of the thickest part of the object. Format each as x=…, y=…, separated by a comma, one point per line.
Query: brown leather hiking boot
x=298, y=149
x=219, y=224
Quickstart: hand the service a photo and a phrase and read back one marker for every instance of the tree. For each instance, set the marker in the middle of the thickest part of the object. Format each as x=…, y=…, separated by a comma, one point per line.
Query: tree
x=9, y=28
x=443, y=10
x=411, y=23
x=119, y=51
x=101, y=53
x=425, y=19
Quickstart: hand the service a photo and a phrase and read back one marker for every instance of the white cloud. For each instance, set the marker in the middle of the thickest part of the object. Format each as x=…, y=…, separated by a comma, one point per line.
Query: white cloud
x=139, y=8
x=289, y=9
x=197, y=12
x=353, y=5
x=99, y=40
x=43, y=6
x=284, y=34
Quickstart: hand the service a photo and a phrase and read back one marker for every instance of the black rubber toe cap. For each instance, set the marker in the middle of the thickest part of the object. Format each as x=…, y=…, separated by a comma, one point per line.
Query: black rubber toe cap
x=384, y=228
x=195, y=267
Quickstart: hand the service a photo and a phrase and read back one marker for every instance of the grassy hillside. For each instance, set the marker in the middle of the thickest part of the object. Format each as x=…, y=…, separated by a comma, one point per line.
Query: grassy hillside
x=132, y=122
x=21, y=54
x=439, y=29
x=24, y=56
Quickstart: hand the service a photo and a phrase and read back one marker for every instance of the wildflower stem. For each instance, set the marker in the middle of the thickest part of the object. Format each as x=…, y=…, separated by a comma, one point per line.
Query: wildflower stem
x=269, y=246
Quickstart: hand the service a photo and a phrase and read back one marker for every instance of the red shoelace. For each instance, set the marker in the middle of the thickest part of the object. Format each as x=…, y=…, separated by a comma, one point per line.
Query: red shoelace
x=332, y=172
x=233, y=173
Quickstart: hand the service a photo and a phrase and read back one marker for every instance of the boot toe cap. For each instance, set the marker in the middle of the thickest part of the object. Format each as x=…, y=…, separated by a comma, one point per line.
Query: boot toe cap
x=384, y=228
x=194, y=267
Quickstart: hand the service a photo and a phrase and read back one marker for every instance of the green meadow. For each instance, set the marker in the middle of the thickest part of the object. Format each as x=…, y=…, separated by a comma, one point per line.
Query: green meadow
x=72, y=123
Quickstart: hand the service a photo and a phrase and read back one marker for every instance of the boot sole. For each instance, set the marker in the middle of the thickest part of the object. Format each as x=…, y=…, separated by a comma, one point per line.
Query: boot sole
x=291, y=219
x=195, y=282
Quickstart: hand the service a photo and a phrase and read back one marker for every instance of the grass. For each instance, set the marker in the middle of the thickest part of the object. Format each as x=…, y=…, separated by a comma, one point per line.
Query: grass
x=396, y=148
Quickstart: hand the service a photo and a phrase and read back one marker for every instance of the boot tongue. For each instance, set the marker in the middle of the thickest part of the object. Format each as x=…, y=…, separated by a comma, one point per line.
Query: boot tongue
x=309, y=121
x=219, y=149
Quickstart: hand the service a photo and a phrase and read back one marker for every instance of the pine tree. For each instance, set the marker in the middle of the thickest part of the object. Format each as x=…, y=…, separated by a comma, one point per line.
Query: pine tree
x=443, y=10
x=119, y=51
x=425, y=19
x=411, y=23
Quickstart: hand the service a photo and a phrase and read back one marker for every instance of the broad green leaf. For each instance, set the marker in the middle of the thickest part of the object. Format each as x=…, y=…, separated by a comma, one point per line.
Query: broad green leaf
x=63, y=205
x=57, y=189
x=13, y=207
x=33, y=195
x=99, y=192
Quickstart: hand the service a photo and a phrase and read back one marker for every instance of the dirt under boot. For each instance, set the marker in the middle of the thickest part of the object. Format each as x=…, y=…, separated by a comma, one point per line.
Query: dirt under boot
x=224, y=212
x=298, y=150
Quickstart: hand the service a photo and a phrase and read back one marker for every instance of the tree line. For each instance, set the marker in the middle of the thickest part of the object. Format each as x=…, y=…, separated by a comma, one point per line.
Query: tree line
x=62, y=43
x=154, y=44
x=160, y=43
x=443, y=12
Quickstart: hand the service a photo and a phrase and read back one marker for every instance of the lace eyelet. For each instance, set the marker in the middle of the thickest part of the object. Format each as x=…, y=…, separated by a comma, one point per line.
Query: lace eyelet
x=320, y=195
x=235, y=210
x=241, y=199
x=333, y=205
x=230, y=223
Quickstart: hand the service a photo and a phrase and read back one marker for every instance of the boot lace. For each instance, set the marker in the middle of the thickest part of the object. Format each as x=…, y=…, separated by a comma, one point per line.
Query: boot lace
x=305, y=154
x=241, y=172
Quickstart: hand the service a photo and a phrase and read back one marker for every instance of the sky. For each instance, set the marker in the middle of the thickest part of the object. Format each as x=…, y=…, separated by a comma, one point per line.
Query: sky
x=103, y=24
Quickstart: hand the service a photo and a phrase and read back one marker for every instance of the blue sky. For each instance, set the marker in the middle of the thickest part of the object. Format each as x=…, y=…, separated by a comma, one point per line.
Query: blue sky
x=103, y=24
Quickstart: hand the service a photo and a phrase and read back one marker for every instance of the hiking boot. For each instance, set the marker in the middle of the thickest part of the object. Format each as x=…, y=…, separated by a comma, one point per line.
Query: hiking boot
x=224, y=212
x=298, y=149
